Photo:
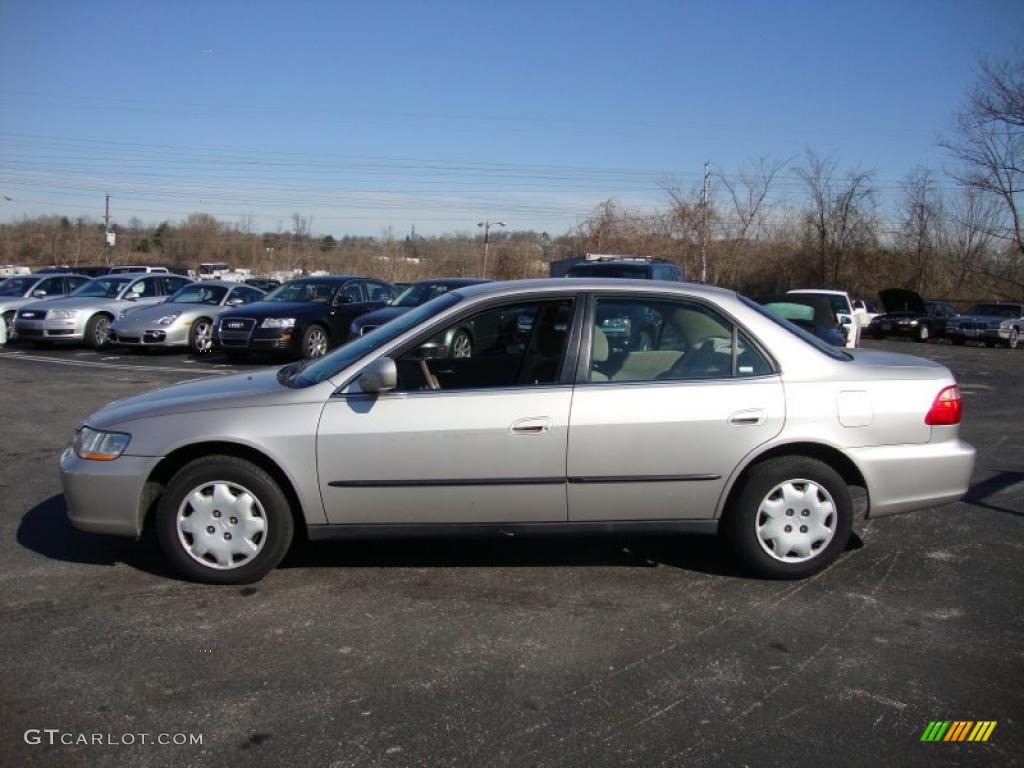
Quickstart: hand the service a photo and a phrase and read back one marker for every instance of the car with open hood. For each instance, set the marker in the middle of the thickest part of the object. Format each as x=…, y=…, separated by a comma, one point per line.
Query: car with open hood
x=305, y=317
x=87, y=314
x=993, y=323
x=732, y=421
x=413, y=295
x=185, y=319
x=17, y=291
x=907, y=314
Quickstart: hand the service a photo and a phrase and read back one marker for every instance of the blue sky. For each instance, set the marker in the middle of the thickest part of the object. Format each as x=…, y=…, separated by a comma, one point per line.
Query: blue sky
x=439, y=114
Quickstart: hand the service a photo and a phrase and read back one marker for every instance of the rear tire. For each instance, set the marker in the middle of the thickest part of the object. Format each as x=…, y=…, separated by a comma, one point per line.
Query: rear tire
x=223, y=520
x=97, y=330
x=791, y=518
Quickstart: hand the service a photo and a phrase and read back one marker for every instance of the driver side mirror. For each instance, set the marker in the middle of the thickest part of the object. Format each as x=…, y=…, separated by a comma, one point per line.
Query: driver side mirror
x=379, y=376
x=40, y=294
x=235, y=302
x=342, y=298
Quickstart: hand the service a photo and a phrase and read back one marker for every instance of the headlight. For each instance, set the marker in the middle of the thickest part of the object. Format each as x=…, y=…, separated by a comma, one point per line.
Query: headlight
x=63, y=314
x=168, y=319
x=278, y=322
x=98, y=445
x=1006, y=324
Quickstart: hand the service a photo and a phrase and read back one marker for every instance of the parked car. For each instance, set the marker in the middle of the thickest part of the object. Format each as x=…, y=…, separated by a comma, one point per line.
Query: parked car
x=88, y=271
x=992, y=323
x=812, y=313
x=842, y=305
x=866, y=311
x=16, y=292
x=265, y=284
x=304, y=317
x=737, y=422
x=907, y=314
x=185, y=319
x=86, y=314
x=636, y=269
x=132, y=270
x=414, y=295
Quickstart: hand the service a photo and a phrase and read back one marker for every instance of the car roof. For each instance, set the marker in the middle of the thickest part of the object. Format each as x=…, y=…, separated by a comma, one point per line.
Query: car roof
x=829, y=291
x=601, y=284
x=452, y=281
x=328, y=278
x=220, y=283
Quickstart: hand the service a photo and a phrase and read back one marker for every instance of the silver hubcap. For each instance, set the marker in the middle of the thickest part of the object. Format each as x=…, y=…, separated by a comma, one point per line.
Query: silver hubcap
x=102, y=331
x=9, y=322
x=221, y=525
x=796, y=521
x=1014, y=339
x=316, y=343
x=204, y=336
x=462, y=346
x=924, y=331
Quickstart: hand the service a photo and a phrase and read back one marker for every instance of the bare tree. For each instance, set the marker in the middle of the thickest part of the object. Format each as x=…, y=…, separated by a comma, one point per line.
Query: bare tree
x=988, y=140
x=967, y=233
x=840, y=214
x=748, y=192
x=919, y=225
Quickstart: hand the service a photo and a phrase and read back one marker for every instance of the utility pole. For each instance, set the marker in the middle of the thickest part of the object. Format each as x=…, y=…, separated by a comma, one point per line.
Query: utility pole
x=704, y=225
x=106, y=216
x=487, y=230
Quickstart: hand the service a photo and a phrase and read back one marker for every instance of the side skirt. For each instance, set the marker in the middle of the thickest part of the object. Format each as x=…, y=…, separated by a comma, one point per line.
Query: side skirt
x=509, y=530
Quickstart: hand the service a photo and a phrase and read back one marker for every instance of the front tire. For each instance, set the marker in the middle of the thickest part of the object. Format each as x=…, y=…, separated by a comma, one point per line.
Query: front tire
x=791, y=518
x=1014, y=340
x=12, y=335
x=223, y=520
x=200, y=338
x=315, y=342
x=923, y=334
x=461, y=346
x=97, y=330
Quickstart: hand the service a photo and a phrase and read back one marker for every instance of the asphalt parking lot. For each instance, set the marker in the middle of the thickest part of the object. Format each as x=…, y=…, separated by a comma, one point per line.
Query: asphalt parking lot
x=570, y=652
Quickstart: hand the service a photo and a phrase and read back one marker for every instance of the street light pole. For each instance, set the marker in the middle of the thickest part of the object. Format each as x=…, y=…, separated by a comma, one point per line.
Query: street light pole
x=487, y=230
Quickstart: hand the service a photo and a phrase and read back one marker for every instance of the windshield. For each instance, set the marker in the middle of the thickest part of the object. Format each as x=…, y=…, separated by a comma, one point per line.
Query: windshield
x=810, y=338
x=314, y=371
x=625, y=271
x=420, y=293
x=790, y=311
x=997, y=310
x=197, y=293
x=103, y=287
x=304, y=291
x=16, y=286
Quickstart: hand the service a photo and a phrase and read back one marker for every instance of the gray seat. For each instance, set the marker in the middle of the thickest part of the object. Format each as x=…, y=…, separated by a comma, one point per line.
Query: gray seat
x=598, y=354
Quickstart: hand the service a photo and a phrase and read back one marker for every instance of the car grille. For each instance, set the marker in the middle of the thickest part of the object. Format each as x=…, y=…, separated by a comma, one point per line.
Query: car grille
x=367, y=328
x=974, y=326
x=32, y=314
x=236, y=331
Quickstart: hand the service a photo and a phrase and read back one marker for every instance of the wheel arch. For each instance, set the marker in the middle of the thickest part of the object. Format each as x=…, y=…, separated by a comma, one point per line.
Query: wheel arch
x=162, y=473
x=828, y=454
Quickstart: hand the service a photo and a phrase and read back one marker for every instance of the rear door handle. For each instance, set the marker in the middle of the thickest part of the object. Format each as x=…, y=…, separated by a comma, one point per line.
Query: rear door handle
x=532, y=425
x=754, y=417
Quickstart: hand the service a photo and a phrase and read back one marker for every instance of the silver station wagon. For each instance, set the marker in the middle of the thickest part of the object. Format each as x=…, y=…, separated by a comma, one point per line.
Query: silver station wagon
x=727, y=419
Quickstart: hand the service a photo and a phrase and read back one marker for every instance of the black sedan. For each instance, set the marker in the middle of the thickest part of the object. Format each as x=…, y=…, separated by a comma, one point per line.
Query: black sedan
x=304, y=317
x=811, y=312
x=414, y=295
x=907, y=314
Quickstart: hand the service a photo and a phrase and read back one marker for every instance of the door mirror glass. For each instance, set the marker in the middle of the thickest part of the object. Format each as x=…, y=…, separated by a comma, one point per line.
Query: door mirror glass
x=39, y=294
x=379, y=376
x=234, y=301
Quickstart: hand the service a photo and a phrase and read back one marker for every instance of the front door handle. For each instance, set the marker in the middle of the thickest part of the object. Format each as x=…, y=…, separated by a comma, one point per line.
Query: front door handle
x=532, y=425
x=754, y=417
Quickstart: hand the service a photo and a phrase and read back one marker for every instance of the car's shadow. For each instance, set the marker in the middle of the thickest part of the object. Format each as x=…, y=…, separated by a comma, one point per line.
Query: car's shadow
x=45, y=529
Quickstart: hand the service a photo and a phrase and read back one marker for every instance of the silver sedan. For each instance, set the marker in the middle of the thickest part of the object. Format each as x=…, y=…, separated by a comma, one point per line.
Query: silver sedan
x=86, y=314
x=185, y=319
x=16, y=292
x=730, y=420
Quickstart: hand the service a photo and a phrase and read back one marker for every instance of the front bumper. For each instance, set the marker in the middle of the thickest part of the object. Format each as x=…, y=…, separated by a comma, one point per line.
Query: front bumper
x=106, y=496
x=258, y=340
x=149, y=337
x=902, y=478
x=979, y=334
x=57, y=330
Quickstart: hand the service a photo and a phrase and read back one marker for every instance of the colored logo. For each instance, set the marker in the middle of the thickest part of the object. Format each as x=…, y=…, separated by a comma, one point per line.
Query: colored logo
x=958, y=730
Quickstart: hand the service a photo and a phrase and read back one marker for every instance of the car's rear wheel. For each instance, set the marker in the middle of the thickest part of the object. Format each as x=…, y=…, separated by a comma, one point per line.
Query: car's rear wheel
x=200, y=338
x=314, y=342
x=792, y=517
x=97, y=330
x=223, y=520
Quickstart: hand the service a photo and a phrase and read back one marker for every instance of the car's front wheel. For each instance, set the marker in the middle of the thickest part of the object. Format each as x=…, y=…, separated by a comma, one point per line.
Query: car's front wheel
x=12, y=334
x=923, y=333
x=792, y=517
x=1013, y=339
x=315, y=342
x=200, y=338
x=97, y=330
x=223, y=520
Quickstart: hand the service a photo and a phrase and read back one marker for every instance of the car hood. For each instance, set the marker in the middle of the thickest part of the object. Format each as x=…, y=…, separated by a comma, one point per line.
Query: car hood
x=902, y=300
x=156, y=311
x=381, y=316
x=15, y=302
x=74, y=302
x=261, y=309
x=243, y=390
x=981, y=318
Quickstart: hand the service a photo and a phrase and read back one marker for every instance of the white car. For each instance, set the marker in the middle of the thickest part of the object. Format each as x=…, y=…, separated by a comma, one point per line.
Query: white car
x=843, y=307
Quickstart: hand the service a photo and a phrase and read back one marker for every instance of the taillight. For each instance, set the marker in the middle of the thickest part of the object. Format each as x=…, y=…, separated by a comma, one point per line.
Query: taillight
x=947, y=408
